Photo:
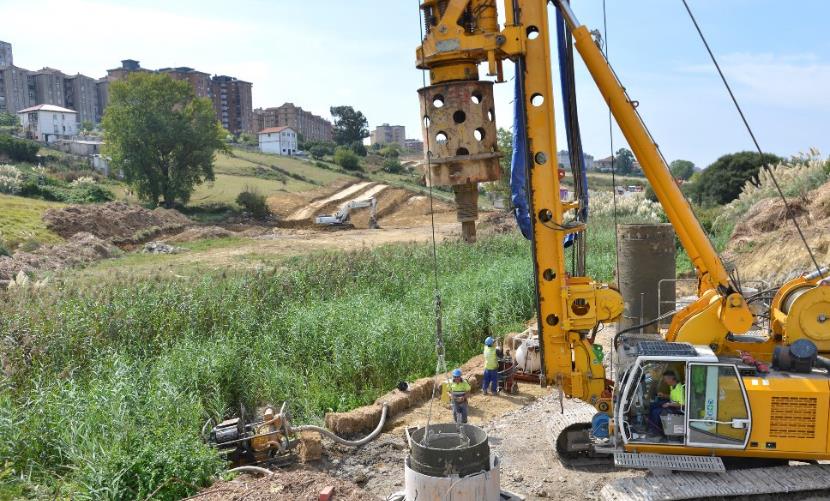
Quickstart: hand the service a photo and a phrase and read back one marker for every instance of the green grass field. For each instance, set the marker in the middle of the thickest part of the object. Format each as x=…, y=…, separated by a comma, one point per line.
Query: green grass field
x=226, y=187
x=21, y=219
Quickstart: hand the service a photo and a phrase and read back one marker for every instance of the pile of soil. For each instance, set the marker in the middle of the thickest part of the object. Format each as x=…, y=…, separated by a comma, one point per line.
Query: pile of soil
x=768, y=215
x=290, y=485
x=80, y=248
x=766, y=246
x=200, y=233
x=118, y=222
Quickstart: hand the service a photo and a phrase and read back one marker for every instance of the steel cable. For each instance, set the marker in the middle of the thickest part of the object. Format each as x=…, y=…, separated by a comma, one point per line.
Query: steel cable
x=790, y=213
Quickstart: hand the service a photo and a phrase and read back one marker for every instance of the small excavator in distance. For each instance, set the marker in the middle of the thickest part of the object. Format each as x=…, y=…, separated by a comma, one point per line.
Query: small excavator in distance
x=748, y=394
x=342, y=216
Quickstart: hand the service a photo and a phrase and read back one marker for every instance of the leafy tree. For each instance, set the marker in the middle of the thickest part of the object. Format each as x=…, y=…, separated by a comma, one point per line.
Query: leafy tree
x=504, y=139
x=346, y=158
x=377, y=147
x=9, y=119
x=624, y=161
x=721, y=182
x=682, y=169
x=87, y=126
x=161, y=136
x=350, y=125
x=359, y=148
x=248, y=139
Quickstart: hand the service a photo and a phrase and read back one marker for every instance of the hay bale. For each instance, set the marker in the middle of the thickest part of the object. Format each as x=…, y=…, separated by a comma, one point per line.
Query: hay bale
x=310, y=447
x=360, y=420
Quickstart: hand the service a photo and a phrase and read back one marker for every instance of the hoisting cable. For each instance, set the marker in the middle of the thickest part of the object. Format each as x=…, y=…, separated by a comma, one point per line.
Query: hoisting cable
x=440, y=352
x=790, y=213
x=604, y=48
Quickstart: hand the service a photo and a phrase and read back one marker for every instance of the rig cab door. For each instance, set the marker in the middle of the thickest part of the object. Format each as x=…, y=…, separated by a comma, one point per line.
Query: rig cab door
x=717, y=408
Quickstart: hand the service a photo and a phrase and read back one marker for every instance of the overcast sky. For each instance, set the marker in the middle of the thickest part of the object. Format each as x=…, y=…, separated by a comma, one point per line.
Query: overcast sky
x=319, y=53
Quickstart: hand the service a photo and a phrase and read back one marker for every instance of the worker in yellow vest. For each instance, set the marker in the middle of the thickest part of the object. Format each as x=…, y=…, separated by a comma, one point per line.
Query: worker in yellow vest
x=459, y=389
x=491, y=367
x=674, y=402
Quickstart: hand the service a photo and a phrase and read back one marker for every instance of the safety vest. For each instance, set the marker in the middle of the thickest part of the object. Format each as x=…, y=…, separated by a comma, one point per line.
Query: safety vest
x=490, y=360
x=678, y=394
x=462, y=387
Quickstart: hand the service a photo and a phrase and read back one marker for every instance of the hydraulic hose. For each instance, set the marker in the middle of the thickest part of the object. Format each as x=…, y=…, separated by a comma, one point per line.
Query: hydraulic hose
x=251, y=469
x=350, y=443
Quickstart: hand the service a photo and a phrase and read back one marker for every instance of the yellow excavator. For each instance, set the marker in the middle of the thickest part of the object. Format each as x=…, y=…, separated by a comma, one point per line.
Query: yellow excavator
x=748, y=394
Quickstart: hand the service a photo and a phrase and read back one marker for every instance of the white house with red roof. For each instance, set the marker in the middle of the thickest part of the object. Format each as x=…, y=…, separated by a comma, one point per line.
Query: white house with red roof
x=279, y=140
x=48, y=123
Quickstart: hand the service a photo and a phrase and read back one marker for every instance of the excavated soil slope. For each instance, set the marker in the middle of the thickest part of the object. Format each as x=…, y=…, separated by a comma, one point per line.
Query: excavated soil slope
x=396, y=207
x=80, y=248
x=117, y=222
x=766, y=246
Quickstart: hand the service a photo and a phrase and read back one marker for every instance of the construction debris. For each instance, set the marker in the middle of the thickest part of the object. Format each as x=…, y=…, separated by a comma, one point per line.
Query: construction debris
x=81, y=248
x=291, y=485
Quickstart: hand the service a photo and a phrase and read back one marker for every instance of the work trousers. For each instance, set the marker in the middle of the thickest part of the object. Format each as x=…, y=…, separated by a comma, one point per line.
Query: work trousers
x=459, y=412
x=491, y=381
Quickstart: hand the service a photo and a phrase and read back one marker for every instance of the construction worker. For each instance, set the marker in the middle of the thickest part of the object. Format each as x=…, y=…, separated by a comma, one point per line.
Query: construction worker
x=459, y=389
x=491, y=367
x=664, y=404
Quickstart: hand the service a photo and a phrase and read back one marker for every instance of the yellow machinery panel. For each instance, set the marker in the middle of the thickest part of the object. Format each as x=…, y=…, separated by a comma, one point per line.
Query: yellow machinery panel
x=789, y=414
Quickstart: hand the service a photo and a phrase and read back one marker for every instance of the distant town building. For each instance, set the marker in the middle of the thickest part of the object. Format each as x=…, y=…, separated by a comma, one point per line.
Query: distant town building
x=308, y=125
x=605, y=165
x=198, y=79
x=415, y=145
x=233, y=103
x=387, y=134
x=6, y=58
x=81, y=94
x=279, y=140
x=564, y=159
x=48, y=86
x=48, y=122
x=102, y=92
x=231, y=97
x=14, y=89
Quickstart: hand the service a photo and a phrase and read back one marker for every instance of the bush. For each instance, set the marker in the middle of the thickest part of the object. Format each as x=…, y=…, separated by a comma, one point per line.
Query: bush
x=346, y=158
x=19, y=150
x=392, y=166
x=11, y=179
x=318, y=151
x=253, y=202
x=359, y=148
x=4, y=250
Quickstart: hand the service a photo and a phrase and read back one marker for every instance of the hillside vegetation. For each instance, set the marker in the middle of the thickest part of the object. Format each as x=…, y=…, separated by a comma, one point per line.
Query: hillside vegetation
x=108, y=384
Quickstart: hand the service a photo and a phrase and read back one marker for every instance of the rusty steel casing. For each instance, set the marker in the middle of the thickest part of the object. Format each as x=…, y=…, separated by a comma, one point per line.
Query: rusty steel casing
x=459, y=127
x=647, y=256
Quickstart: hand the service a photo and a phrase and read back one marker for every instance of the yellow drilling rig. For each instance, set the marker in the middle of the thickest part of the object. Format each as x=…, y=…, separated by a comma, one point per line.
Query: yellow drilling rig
x=746, y=394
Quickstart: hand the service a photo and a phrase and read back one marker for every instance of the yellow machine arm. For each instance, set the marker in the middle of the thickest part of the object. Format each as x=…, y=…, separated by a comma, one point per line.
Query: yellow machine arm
x=460, y=35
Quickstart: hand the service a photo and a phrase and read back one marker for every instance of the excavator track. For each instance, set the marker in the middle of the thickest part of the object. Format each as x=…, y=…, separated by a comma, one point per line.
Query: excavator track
x=733, y=483
x=568, y=432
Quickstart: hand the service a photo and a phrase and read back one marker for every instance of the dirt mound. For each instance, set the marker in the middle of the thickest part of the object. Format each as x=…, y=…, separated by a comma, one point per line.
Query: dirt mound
x=766, y=246
x=293, y=485
x=81, y=248
x=200, y=233
x=768, y=215
x=498, y=222
x=117, y=222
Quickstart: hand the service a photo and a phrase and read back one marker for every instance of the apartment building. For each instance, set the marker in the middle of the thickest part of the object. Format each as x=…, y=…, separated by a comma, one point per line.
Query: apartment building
x=6, y=56
x=14, y=89
x=81, y=94
x=306, y=124
x=48, y=86
x=199, y=80
x=233, y=103
x=387, y=134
